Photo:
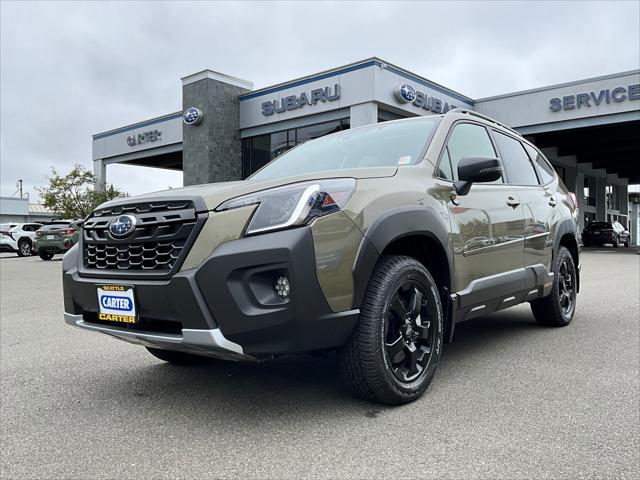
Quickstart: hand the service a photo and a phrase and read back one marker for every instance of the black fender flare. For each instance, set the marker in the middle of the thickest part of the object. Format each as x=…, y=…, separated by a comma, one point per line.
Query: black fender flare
x=392, y=225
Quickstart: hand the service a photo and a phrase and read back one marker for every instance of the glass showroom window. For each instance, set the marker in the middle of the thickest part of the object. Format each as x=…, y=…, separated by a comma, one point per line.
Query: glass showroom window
x=613, y=195
x=260, y=150
x=589, y=190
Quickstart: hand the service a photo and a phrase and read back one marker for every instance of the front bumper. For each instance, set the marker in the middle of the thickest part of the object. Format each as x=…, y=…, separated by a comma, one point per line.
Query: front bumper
x=202, y=342
x=226, y=306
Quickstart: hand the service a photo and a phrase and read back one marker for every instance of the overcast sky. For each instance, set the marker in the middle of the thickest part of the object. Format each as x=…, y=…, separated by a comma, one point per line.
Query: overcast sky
x=69, y=70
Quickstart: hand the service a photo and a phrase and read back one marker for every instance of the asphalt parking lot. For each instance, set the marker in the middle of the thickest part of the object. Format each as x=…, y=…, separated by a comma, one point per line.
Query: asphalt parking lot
x=510, y=400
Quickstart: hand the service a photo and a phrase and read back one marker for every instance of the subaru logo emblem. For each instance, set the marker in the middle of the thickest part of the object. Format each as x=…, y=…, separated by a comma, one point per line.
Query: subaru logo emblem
x=406, y=93
x=122, y=226
x=192, y=116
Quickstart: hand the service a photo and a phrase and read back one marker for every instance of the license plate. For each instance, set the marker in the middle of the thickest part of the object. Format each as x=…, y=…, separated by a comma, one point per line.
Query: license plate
x=49, y=237
x=596, y=232
x=116, y=303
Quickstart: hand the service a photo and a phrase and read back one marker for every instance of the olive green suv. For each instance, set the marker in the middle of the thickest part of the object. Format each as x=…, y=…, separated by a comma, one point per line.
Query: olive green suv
x=57, y=236
x=373, y=242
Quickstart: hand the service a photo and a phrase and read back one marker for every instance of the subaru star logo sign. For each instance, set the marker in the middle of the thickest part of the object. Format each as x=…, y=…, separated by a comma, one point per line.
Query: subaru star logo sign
x=122, y=226
x=406, y=93
x=192, y=116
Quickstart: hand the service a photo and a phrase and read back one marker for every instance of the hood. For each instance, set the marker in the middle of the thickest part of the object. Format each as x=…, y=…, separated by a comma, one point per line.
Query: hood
x=214, y=194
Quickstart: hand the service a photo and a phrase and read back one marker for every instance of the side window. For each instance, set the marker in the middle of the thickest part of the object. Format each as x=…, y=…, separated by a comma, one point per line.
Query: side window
x=468, y=140
x=29, y=228
x=516, y=161
x=545, y=170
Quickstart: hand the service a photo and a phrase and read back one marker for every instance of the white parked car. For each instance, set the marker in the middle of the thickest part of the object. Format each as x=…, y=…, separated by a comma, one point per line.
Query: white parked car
x=18, y=237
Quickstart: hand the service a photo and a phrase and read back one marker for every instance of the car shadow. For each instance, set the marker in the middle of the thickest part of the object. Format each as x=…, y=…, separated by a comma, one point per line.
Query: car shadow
x=296, y=386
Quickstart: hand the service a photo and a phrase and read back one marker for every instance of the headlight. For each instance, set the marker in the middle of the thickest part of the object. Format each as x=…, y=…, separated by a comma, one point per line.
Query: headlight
x=293, y=205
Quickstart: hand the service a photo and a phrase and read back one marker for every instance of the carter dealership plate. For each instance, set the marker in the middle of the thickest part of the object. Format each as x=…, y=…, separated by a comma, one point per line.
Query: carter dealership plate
x=116, y=304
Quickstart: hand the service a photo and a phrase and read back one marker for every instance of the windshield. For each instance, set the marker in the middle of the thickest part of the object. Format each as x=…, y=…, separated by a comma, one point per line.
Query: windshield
x=381, y=145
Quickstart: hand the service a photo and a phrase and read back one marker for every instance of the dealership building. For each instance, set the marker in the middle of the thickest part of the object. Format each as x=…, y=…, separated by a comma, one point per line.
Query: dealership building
x=589, y=129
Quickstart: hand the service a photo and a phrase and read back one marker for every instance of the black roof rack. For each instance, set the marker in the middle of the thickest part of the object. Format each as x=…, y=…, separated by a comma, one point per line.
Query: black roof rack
x=480, y=115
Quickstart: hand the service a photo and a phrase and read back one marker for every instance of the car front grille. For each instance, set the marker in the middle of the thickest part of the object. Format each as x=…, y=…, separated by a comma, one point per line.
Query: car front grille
x=162, y=235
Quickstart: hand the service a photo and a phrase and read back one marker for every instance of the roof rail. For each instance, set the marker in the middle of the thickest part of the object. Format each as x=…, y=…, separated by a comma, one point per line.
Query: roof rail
x=480, y=115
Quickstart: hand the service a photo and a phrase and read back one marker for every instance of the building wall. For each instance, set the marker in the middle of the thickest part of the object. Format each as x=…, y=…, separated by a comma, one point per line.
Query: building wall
x=534, y=107
x=16, y=210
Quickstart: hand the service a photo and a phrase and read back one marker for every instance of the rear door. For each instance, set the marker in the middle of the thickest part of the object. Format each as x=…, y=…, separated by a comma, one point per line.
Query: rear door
x=538, y=202
x=487, y=222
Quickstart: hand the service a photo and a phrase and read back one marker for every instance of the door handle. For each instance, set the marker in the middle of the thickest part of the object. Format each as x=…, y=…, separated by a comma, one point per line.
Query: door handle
x=552, y=202
x=512, y=202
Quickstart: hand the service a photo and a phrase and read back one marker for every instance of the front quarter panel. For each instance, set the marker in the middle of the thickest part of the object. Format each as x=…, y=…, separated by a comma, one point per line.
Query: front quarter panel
x=385, y=210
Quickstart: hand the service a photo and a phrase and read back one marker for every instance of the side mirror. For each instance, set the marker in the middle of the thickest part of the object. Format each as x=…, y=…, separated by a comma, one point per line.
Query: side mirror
x=476, y=169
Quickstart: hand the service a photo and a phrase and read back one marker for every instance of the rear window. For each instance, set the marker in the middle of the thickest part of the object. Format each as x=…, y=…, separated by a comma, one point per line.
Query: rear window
x=546, y=171
x=54, y=226
x=604, y=225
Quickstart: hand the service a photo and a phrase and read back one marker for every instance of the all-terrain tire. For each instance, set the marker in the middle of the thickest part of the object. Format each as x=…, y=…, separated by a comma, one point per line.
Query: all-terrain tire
x=554, y=310
x=365, y=358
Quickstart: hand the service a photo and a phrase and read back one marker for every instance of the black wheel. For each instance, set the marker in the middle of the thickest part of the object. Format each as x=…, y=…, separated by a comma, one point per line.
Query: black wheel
x=24, y=248
x=173, y=356
x=557, y=308
x=45, y=255
x=393, y=352
x=616, y=242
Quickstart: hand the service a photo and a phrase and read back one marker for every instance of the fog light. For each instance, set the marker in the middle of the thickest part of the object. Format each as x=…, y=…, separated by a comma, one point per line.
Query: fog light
x=282, y=287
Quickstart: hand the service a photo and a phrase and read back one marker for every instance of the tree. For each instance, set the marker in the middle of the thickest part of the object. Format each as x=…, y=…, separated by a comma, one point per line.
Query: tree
x=73, y=195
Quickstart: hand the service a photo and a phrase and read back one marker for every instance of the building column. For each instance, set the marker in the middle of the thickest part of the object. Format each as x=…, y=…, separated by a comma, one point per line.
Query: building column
x=634, y=221
x=363, y=114
x=100, y=172
x=623, y=202
x=601, y=199
x=580, y=198
x=212, y=149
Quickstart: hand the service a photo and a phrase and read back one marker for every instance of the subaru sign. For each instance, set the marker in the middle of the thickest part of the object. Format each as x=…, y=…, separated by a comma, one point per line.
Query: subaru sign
x=405, y=93
x=192, y=116
x=293, y=102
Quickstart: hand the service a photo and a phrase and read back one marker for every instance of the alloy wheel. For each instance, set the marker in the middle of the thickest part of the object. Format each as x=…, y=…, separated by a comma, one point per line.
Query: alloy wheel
x=409, y=331
x=25, y=249
x=567, y=291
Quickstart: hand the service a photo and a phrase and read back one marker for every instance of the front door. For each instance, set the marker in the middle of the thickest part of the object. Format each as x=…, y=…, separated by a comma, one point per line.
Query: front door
x=487, y=223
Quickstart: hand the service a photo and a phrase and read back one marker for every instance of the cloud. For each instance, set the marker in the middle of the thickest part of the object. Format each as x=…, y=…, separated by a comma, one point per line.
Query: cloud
x=69, y=70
